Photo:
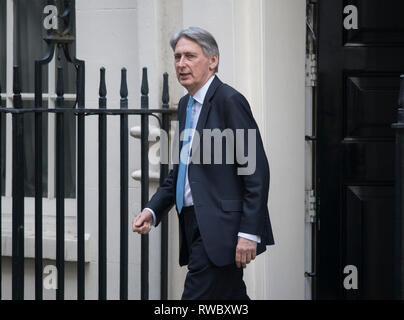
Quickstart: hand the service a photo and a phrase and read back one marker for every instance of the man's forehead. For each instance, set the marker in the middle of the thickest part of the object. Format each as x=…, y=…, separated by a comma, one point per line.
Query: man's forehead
x=185, y=44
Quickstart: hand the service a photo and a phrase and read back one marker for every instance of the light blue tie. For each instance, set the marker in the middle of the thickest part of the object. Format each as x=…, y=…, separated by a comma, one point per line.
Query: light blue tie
x=183, y=165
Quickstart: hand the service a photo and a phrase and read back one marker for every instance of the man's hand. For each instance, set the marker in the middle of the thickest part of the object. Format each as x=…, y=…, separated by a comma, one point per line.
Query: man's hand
x=246, y=251
x=142, y=222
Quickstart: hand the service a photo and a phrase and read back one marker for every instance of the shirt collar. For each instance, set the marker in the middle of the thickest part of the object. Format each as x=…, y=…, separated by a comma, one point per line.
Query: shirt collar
x=199, y=96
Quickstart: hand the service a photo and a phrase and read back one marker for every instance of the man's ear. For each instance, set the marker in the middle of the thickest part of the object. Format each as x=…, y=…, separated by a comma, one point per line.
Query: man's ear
x=214, y=60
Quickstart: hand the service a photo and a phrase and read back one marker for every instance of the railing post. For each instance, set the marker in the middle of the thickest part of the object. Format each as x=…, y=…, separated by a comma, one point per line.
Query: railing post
x=144, y=127
x=1, y=190
x=18, y=193
x=38, y=172
x=81, y=136
x=80, y=64
x=102, y=189
x=60, y=190
x=124, y=189
x=38, y=182
x=399, y=179
x=163, y=174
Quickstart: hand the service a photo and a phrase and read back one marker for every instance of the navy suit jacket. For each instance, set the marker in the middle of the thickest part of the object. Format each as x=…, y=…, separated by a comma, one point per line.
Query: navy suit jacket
x=225, y=203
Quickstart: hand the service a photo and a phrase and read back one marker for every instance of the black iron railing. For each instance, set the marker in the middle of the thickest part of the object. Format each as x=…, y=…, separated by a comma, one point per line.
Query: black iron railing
x=59, y=41
x=81, y=113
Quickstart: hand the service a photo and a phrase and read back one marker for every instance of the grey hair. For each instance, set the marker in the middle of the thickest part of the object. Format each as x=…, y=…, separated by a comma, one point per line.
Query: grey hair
x=202, y=37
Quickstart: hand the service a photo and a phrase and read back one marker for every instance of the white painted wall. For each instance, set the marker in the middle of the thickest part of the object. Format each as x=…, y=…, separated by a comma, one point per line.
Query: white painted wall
x=262, y=46
x=284, y=53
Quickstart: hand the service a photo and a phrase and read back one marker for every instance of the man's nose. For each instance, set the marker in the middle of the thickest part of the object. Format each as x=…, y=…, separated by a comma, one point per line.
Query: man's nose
x=181, y=62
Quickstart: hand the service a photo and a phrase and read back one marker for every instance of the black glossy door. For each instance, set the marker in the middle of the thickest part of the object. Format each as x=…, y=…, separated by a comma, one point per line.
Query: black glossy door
x=358, y=83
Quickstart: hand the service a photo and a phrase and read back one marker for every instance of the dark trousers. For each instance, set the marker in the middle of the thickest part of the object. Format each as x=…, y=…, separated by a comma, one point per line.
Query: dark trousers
x=204, y=280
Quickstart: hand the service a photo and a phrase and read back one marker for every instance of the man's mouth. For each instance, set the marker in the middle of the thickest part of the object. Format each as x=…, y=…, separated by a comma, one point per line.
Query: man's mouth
x=183, y=74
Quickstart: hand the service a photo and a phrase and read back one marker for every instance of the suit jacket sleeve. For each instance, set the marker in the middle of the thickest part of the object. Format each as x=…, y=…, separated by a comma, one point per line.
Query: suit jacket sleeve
x=256, y=181
x=164, y=198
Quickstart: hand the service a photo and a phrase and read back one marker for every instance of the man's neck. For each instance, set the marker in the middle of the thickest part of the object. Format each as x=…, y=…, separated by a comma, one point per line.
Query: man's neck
x=193, y=91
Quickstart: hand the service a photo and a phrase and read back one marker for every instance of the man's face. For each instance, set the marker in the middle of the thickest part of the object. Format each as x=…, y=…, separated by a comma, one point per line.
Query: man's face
x=193, y=68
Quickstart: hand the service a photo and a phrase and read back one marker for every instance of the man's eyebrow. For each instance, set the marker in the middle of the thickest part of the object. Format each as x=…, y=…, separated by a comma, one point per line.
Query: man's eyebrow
x=187, y=52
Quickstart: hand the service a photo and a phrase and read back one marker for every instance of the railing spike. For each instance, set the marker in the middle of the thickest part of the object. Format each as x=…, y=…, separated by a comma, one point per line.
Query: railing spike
x=165, y=97
x=145, y=85
x=401, y=94
x=124, y=85
x=103, y=87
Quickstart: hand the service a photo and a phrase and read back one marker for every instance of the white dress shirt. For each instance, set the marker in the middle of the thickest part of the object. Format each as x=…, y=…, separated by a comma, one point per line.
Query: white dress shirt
x=199, y=97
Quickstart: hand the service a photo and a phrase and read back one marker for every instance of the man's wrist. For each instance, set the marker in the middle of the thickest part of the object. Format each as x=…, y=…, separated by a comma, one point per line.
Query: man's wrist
x=251, y=237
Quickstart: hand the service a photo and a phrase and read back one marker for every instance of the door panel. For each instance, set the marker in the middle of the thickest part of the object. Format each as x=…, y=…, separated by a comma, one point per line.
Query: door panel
x=364, y=162
x=358, y=84
x=369, y=238
x=370, y=104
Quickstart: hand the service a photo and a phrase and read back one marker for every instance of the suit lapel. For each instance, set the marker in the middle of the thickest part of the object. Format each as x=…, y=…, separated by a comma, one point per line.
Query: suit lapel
x=207, y=104
x=182, y=113
x=203, y=116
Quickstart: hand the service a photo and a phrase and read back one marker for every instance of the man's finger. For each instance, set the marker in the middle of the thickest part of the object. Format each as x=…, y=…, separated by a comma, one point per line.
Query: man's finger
x=137, y=226
x=145, y=228
x=254, y=254
x=135, y=219
x=238, y=259
x=248, y=255
x=134, y=225
x=243, y=259
x=141, y=229
x=139, y=220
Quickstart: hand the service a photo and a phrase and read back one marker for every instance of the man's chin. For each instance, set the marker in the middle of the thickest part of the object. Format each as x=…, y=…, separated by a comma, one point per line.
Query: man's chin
x=185, y=83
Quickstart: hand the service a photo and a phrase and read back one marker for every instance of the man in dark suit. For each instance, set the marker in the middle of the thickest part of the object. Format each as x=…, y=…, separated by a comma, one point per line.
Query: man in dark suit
x=222, y=205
